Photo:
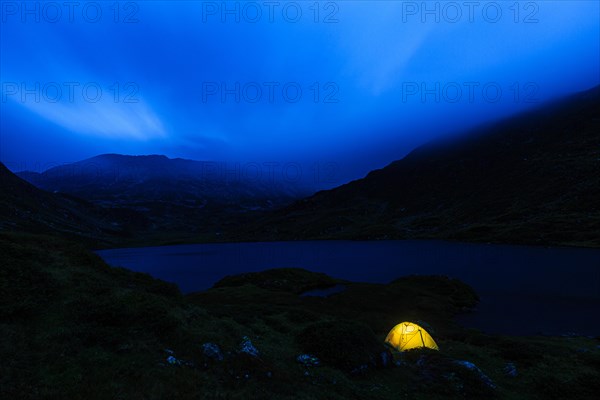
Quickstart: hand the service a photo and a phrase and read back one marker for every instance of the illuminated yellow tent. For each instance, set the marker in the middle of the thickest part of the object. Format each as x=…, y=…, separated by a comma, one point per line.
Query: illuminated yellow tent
x=408, y=335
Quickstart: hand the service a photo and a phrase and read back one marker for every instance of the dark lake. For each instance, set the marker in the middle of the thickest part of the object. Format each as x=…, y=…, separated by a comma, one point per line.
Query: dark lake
x=524, y=290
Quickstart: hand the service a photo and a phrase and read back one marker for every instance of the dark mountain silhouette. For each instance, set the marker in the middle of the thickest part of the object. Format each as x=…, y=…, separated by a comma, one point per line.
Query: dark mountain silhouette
x=169, y=199
x=127, y=179
x=533, y=179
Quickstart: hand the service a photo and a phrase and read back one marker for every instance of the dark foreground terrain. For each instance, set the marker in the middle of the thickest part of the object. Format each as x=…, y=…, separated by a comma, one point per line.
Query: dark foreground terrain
x=72, y=327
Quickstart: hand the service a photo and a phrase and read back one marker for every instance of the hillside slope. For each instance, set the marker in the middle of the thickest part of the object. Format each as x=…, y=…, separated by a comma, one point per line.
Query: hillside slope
x=130, y=180
x=170, y=200
x=533, y=179
x=24, y=207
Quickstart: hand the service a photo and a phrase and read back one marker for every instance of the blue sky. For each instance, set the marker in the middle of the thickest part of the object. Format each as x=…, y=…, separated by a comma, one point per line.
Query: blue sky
x=199, y=80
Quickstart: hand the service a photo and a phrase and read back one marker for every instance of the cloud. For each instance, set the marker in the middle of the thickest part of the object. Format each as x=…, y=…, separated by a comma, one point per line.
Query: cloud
x=104, y=118
x=368, y=55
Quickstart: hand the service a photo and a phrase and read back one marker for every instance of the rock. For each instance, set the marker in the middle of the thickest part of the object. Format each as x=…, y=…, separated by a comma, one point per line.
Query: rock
x=212, y=351
x=484, y=378
x=173, y=361
x=308, y=360
x=247, y=347
x=510, y=369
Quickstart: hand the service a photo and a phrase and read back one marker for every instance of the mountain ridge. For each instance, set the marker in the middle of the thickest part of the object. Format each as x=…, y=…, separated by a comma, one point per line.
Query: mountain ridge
x=530, y=179
x=167, y=199
x=209, y=179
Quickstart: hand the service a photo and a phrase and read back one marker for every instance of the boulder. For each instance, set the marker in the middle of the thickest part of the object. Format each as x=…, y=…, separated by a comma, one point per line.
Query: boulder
x=470, y=366
x=248, y=348
x=212, y=351
x=308, y=360
x=173, y=361
x=510, y=369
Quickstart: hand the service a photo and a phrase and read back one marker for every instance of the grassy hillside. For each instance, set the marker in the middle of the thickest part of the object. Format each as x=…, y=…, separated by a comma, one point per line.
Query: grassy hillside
x=534, y=179
x=72, y=327
x=26, y=208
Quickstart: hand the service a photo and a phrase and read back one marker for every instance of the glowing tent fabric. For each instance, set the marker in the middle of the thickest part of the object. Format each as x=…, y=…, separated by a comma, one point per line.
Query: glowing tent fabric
x=408, y=335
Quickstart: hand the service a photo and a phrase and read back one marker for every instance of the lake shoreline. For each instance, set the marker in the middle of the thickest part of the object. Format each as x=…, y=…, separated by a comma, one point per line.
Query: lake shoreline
x=500, y=270
x=67, y=313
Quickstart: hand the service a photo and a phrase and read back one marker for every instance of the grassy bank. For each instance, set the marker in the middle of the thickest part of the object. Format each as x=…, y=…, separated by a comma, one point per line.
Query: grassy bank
x=73, y=327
